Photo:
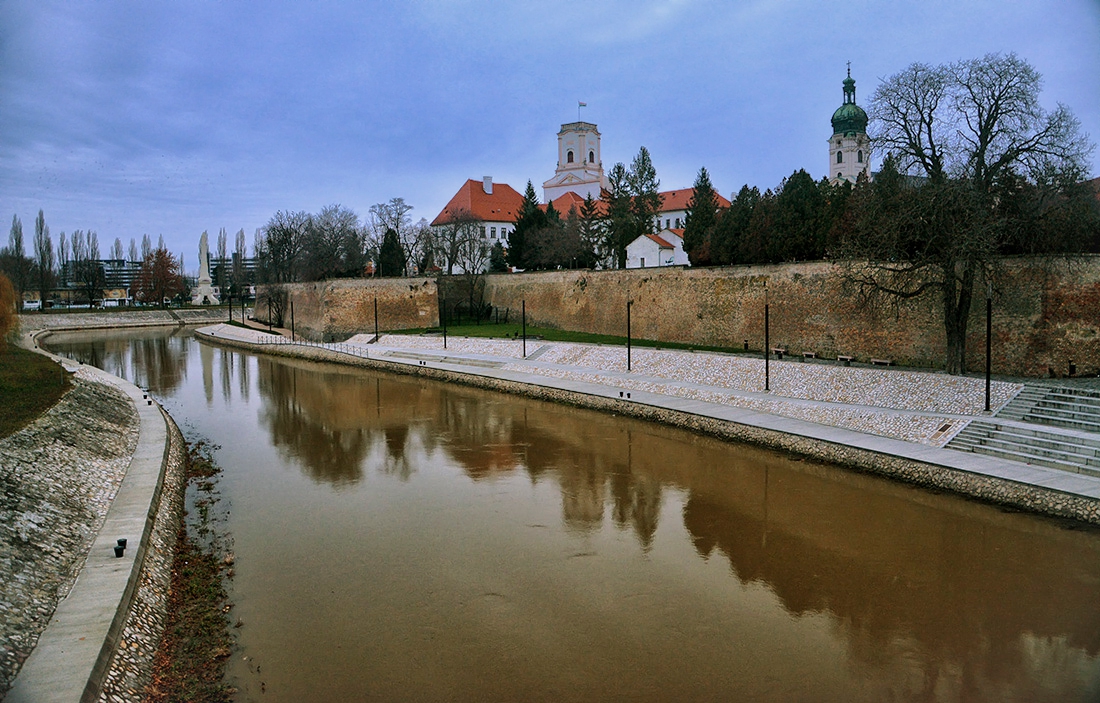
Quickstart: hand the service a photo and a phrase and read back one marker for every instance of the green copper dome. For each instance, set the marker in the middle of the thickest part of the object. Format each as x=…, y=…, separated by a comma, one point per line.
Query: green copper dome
x=849, y=118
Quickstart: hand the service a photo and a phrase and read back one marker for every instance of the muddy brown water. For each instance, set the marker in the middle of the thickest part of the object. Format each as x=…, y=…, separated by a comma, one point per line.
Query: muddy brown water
x=400, y=539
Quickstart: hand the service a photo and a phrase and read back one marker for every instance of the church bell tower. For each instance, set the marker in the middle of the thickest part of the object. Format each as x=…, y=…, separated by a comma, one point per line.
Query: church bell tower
x=849, y=147
x=580, y=169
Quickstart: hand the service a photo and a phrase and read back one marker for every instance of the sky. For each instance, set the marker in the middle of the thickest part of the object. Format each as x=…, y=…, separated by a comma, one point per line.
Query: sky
x=171, y=118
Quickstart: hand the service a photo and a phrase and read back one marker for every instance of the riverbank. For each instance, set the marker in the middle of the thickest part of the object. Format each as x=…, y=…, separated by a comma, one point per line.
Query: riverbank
x=103, y=464
x=886, y=422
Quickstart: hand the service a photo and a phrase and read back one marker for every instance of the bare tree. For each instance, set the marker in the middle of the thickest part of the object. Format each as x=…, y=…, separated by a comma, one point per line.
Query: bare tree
x=160, y=278
x=279, y=248
x=146, y=246
x=975, y=134
x=240, y=253
x=133, y=253
x=394, y=215
x=64, y=259
x=117, y=251
x=220, y=277
x=43, y=255
x=15, y=261
x=451, y=237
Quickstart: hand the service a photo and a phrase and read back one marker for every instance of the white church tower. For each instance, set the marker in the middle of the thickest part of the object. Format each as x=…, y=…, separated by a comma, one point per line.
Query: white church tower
x=849, y=147
x=580, y=169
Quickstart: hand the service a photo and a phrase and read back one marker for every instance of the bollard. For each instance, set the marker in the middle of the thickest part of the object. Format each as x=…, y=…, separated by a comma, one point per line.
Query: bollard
x=122, y=542
x=119, y=550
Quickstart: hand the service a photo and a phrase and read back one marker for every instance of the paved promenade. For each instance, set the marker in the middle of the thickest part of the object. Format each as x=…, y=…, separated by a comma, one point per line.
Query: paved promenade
x=88, y=472
x=887, y=421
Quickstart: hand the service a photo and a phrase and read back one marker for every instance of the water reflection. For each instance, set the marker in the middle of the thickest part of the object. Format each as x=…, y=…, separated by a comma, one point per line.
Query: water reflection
x=886, y=592
x=157, y=360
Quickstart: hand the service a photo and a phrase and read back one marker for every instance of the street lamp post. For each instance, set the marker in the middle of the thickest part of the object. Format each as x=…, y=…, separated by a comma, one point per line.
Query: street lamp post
x=376, y=320
x=444, y=323
x=988, y=340
x=293, y=335
x=629, y=304
x=524, y=310
x=767, y=355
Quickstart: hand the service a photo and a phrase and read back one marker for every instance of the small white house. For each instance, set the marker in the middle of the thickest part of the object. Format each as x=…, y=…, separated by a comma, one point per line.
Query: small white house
x=666, y=248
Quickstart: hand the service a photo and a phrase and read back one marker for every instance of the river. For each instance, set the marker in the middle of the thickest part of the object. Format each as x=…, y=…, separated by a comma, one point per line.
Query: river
x=402, y=539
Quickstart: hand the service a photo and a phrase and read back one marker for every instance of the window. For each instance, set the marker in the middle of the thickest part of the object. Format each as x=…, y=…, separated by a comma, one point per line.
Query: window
x=483, y=231
x=492, y=233
x=591, y=157
x=569, y=156
x=642, y=262
x=859, y=156
x=668, y=223
x=677, y=223
x=840, y=157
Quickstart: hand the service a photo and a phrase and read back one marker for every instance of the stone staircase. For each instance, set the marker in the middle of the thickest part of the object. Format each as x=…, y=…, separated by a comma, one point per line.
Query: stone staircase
x=1054, y=427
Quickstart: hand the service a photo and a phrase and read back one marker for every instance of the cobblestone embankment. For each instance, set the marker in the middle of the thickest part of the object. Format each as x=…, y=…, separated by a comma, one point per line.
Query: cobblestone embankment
x=59, y=476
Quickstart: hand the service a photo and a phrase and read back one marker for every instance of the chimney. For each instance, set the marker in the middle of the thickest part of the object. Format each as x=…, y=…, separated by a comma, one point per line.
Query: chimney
x=487, y=185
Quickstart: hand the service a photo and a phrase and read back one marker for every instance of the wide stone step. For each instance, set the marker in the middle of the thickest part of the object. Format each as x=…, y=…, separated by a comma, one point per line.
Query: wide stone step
x=1023, y=457
x=1069, y=404
x=1081, y=456
x=1038, y=438
x=1068, y=421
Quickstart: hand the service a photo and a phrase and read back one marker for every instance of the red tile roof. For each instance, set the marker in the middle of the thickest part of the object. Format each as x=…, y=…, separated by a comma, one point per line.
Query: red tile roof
x=678, y=232
x=660, y=242
x=502, y=206
x=673, y=200
x=563, y=202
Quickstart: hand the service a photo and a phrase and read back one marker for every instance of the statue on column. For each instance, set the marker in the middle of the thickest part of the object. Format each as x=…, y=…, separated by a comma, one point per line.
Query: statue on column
x=204, y=294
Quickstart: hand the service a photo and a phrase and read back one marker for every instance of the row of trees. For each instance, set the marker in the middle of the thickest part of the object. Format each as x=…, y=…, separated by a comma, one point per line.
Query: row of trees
x=76, y=264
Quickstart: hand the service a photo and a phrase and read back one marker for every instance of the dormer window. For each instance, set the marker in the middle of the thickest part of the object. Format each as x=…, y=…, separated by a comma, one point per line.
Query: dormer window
x=569, y=157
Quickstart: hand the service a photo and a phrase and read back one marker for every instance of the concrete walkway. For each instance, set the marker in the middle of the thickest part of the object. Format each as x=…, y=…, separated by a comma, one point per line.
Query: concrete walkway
x=73, y=652
x=869, y=410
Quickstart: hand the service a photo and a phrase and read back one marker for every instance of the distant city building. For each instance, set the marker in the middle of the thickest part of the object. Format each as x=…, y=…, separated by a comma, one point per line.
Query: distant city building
x=849, y=147
x=580, y=169
x=666, y=248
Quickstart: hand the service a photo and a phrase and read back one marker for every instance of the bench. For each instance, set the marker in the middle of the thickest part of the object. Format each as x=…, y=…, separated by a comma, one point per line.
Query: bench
x=809, y=355
x=779, y=351
x=882, y=362
x=846, y=359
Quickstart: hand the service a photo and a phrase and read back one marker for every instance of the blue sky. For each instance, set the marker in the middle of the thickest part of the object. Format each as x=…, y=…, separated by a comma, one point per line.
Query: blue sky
x=170, y=118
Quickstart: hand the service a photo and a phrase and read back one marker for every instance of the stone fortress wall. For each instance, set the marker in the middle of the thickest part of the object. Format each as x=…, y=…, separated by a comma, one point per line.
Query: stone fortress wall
x=335, y=310
x=1044, y=317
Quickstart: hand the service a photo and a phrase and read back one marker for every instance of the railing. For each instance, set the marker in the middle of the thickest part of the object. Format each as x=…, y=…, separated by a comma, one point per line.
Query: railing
x=338, y=347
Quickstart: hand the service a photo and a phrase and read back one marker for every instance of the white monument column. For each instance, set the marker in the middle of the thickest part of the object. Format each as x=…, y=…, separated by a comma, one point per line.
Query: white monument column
x=204, y=292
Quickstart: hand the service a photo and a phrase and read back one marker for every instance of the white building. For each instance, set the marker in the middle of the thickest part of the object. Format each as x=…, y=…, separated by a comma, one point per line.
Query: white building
x=666, y=248
x=849, y=147
x=579, y=167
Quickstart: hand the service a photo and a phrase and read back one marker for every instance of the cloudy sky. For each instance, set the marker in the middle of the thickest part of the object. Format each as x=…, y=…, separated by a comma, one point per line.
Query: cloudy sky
x=170, y=118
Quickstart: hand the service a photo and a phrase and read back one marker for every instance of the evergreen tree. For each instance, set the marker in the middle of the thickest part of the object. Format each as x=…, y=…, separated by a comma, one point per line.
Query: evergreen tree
x=592, y=232
x=702, y=216
x=391, y=260
x=620, y=224
x=498, y=260
x=733, y=223
x=799, y=209
x=529, y=219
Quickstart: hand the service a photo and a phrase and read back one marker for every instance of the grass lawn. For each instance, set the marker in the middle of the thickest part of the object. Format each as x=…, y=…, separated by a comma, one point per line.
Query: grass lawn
x=30, y=384
x=514, y=330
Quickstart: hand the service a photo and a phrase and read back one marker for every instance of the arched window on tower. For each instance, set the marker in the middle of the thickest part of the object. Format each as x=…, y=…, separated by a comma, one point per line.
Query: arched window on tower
x=859, y=156
x=569, y=157
x=591, y=157
x=840, y=157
